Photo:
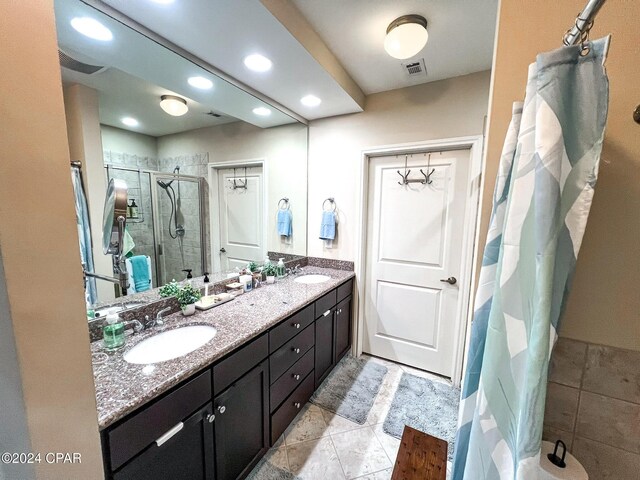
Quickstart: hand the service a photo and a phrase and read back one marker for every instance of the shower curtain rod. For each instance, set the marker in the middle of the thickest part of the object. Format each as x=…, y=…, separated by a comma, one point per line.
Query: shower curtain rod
x=583, y=23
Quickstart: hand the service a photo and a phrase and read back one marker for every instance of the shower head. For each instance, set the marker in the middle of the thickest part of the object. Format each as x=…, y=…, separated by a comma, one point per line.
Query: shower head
x=164, y=185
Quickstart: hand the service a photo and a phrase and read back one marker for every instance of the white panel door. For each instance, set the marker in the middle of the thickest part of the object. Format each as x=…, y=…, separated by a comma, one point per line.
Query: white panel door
x=414, y=241
x=241, y=217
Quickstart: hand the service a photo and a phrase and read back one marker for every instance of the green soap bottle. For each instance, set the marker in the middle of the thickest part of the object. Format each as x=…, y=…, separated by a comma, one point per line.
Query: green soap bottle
x=113, y=332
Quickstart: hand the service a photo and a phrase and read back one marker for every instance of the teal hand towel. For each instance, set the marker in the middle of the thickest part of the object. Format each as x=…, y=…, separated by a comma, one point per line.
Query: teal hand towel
x=140, y=272
x=328, y=226
x=285, y=218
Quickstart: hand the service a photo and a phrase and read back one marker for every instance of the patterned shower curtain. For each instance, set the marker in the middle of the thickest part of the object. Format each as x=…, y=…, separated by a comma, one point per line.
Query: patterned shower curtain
x=547, y=173
x=84, y=234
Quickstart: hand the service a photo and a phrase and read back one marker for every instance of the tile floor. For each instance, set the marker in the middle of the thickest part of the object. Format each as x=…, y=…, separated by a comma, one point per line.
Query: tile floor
x=319, y=445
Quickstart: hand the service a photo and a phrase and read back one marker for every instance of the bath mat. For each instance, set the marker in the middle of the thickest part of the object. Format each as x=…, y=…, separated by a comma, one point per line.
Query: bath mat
x=431, y=407
x=266, y=471
x=351, y=388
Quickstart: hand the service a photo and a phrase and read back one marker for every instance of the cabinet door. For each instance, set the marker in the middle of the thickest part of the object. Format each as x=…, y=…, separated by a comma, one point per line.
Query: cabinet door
x=242, y=424
x=324, y=345
x=342, y=328
x=187, y=453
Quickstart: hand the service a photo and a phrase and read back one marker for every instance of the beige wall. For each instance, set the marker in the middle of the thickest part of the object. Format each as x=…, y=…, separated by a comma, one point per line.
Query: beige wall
x=604, y=306
x=38, y=227
x=119, y=140
x=449, y=108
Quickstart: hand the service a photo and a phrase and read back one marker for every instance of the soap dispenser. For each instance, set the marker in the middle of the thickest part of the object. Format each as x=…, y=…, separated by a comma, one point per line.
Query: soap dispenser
x=280, y=270
x=113, y=332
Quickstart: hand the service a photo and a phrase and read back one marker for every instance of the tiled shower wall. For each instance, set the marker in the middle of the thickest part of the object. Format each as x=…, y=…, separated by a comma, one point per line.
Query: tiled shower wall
x=593, y=405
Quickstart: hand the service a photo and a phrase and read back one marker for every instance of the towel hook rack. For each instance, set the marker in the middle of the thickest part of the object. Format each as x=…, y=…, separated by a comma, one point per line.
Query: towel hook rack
x=238, y=183
x=427, y=176
x=332, y=201
x=284, y=200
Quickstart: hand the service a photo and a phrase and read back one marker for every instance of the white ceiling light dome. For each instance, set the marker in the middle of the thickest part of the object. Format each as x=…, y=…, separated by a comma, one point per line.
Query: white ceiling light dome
x=200, y=82
x=92, y=28
x=406, y=36
x=262, y=111
x=310, y=101
x=258, y=63
x=130, y=121
x=176, y=106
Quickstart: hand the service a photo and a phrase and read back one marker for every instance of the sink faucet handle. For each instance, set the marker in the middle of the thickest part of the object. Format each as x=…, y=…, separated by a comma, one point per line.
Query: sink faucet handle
x=159, y=320
x=137, y=326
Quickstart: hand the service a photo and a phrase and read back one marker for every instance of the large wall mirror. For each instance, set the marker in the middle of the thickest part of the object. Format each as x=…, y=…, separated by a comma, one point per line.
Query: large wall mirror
x=208, y=166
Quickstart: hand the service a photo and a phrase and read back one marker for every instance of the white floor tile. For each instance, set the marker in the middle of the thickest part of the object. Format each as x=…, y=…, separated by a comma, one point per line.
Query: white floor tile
x=390, y=444
x=315, y=460
x=337, y=424
x=308, y=425
x=381, y=475
x=360, y=452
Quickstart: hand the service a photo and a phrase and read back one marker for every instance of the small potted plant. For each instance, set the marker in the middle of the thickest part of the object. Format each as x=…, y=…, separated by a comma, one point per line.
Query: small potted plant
x=187, y=297
x=169, y=290
x=254, y=270
x=270, y=272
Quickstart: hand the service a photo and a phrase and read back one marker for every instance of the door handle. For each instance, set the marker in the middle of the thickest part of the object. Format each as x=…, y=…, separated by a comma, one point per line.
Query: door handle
x=450, y=280
x=170, y=433
x=326, y=313
x=222, y=250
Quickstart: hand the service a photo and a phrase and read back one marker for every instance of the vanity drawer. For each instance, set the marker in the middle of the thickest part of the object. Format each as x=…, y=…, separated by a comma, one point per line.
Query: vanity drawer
x=291, y=352
x=326, y=302
x=288, y=382
x=136, y=433
x=282, y=417
x=345, y=290
x=238, y=363
x=290, y=328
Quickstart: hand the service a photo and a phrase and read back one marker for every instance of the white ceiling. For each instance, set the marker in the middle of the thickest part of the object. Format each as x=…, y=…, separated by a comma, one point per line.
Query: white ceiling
x=461, y=36
x=223, y=32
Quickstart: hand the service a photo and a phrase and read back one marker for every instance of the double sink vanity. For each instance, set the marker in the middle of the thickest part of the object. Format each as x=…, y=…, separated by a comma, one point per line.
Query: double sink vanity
x=204, y=397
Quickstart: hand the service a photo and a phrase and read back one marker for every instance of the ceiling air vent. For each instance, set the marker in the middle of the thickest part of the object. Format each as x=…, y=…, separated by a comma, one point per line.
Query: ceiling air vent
x=214, y=114
x=71, y=63
x=414, y=69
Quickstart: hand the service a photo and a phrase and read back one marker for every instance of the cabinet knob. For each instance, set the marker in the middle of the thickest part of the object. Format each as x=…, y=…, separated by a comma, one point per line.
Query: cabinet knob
x=296, y=325
x=222, y=408
x=210, y=418
x=297, y=405
x=296, y=350
x=296, y=377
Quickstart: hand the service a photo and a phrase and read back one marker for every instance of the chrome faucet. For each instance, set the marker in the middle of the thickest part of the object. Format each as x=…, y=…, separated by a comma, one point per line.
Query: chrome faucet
x=295, y=270
x=158, y=321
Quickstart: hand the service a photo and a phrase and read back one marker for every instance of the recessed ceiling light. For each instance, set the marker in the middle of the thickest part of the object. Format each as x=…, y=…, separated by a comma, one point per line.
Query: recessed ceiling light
x=310, y=101
x=200, y=82
x=91, y=28
x=173, y=105
x=257, y=63
x=262, y=111
x=406, y=36
x=130, y=122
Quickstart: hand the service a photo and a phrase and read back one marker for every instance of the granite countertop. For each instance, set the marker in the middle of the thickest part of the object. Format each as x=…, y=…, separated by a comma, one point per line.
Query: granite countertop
x=123, y=387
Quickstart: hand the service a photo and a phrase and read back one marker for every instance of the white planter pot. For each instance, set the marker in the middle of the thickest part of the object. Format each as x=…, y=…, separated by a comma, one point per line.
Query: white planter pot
x=271, y=279
x=189, y=309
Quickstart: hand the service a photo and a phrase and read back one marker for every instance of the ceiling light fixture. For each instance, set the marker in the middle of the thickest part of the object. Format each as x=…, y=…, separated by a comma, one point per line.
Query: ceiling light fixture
x=262, y=111
x=92, y=28
x=200, y=82
x=406, y=36
x=173, y=105
x=130, y=122
x=310, y=101
x=258, y=63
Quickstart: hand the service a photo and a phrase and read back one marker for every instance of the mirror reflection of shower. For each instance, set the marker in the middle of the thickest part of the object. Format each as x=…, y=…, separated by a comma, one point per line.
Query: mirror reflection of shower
x=176, y=202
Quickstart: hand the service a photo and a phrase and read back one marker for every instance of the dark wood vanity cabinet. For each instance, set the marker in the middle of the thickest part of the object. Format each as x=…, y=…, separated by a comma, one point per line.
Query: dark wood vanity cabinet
x=219, y=423
x=242, y=424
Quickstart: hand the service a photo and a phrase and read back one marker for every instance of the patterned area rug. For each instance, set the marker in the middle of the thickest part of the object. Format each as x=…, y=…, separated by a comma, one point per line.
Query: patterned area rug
x=431, y=407
x=351, y=388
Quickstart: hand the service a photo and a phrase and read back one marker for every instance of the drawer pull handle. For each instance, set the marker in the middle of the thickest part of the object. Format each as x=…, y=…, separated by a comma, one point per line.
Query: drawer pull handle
x=296, y=325
x=296, y=377
x=297, y=405
x=326, y=313
x=222, y=409
x=164, y=438
x=211, y=417
x=296, y=350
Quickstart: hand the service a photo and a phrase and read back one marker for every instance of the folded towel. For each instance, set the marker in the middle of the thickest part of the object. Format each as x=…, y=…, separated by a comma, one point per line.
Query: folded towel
x=140, y=272
x=328, y=226
x=285, y=218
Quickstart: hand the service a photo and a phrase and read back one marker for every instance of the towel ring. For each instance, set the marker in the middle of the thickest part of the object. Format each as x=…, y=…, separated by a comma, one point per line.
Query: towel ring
x=332, y=201
x=284, y=200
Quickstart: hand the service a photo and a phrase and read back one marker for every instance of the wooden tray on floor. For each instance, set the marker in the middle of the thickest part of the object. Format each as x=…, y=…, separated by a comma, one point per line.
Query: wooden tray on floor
x=421, y=457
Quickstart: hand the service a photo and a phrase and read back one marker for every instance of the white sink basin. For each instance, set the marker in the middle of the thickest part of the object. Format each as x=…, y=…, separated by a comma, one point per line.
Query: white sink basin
x=312, y=278
x=170, y=344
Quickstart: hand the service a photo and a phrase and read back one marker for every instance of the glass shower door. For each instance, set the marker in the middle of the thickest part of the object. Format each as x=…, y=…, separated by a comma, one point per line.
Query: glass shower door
x=179, y=226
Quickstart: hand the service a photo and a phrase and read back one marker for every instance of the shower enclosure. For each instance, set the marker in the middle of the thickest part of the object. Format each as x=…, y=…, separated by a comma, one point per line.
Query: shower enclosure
x=169, y=224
